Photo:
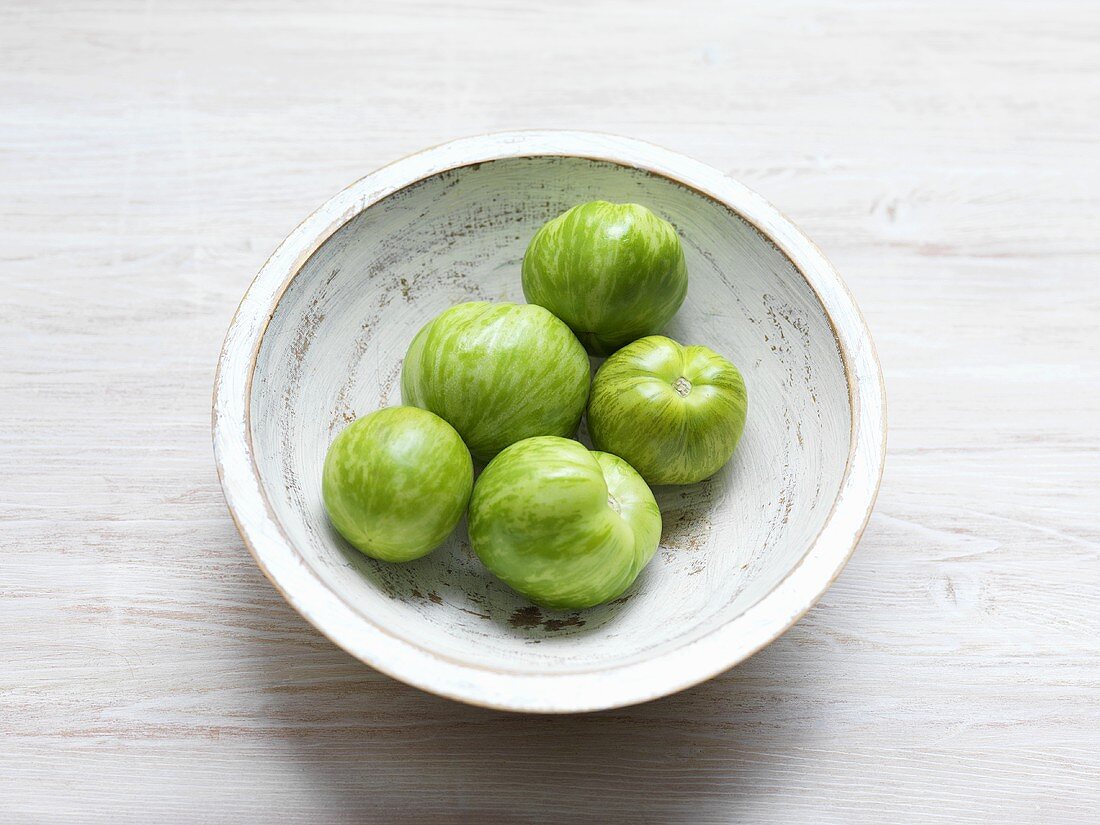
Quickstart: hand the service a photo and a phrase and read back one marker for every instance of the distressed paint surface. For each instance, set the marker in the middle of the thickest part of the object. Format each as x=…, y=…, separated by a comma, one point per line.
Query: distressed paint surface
x=942, y=154
x=765, y=507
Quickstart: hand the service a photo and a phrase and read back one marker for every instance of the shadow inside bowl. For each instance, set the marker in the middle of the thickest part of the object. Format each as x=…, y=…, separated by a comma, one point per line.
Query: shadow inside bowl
x=453, y=579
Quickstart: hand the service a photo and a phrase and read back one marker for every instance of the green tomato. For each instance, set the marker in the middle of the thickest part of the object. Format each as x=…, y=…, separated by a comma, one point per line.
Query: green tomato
x=395, y=482
x=675, y=413
x=565, y=527
x=613, y=272
x=498, y=373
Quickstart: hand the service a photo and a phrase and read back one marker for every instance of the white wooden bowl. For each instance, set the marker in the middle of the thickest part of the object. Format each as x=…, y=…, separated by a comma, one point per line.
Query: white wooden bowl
x=318, y=340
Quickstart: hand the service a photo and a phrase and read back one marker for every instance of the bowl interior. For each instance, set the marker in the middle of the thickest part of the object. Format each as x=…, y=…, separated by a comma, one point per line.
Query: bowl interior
x=333, y=351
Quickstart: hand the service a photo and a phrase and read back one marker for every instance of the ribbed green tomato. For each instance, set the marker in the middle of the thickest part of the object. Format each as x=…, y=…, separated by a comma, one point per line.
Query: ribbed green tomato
x=396, y=481
x=498, y=373
x=613, y=272
x=674, y=412
x=565, y=527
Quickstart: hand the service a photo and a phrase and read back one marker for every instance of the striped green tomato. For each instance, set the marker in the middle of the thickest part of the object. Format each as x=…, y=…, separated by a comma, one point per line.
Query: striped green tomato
x=498, y=373
x=613, y=272
x=674, y=412
x=395, y=482
x=566, y=527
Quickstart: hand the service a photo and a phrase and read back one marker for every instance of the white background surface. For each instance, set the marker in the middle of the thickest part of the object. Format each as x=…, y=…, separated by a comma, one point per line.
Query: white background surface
x=944, y=155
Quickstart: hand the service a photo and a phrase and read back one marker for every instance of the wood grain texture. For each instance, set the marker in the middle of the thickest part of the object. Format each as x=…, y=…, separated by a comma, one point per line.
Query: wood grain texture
x=942, y=154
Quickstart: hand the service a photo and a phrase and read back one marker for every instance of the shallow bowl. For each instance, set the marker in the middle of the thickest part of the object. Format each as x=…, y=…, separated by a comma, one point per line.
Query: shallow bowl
x=318, y=340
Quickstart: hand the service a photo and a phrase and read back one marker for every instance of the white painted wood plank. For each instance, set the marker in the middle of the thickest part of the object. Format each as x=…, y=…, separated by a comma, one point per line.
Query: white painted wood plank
x=943, y=155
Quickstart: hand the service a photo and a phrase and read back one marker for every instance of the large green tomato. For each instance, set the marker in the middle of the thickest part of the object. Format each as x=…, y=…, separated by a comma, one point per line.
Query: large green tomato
x=675, y=413
x=566, y=527
x=498, y=373
x=613, y=272
x=395, y=482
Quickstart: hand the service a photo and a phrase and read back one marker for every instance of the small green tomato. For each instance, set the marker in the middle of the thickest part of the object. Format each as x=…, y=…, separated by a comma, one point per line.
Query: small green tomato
x=613, y=272
x=498, y=373
x=566, y=527
x=675, y=413
x=396, y=481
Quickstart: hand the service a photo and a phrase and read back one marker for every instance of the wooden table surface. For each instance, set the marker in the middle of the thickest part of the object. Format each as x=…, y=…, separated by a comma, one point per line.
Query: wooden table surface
x=943, y=154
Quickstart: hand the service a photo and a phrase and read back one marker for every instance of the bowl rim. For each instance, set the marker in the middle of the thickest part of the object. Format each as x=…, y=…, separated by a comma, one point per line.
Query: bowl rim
x=616, y=685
